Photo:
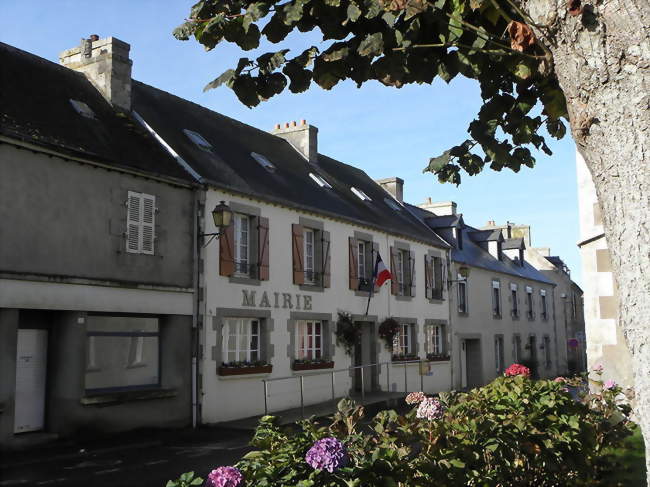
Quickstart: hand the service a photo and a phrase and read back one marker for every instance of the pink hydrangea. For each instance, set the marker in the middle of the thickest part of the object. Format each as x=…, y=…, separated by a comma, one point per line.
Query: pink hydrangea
x=430, y=408
x=415, y=398
x=609, y=385
x=559, y=379
x=517, y=369
x=598, y=368
x=225, y=477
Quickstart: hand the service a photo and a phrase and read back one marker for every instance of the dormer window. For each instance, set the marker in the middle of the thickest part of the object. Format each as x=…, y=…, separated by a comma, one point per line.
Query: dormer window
x=263, y=161
x=360, y=194
x=392, y=204
x=320, y=181
x=82, y=109
x=198, y=140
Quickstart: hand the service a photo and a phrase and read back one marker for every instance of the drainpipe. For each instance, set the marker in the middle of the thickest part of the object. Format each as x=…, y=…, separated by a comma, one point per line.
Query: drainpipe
x=557, y=360
x=450, y=329
x=196, y=342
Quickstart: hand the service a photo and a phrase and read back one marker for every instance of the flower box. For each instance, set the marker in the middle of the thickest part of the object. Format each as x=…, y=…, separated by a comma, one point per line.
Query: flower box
x=245, y=370
x=312, y=365
x=438, y=358
x=405, y=358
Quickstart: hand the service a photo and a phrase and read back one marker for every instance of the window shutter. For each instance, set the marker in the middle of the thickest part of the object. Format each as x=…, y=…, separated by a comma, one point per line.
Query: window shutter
x=226, y=254
x=263, y=248
x=148, y=223
x=428, y=277
x=133, y=222
x=394, y=285
x=297, y=243
x=353, y=248
x=325, y=240
x=373, y=261
x=437, y=277
x=412, y=273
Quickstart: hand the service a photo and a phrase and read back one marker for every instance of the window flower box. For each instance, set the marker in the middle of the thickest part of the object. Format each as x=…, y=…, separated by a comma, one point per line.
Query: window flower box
x=244, y=369
x=404, y=358
x=312, y=364
x=438, y=358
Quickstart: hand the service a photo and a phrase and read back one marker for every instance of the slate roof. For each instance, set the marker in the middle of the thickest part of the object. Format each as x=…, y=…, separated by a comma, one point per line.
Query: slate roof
x=512, y=243
x=444, y=221
x=35, y=108
x=229, y=165
x=485, y=235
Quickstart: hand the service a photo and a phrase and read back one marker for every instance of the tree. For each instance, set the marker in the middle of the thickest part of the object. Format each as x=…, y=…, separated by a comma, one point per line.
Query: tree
x=538, y=63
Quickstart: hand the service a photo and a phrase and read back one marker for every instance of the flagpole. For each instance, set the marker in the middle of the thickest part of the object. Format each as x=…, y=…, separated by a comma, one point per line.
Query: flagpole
x=372, y=282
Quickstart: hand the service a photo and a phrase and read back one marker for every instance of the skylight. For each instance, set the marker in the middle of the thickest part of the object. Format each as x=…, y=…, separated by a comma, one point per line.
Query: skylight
x=360, y=194
x=320, y=181
x=198, y=140
x=82, y=109
x=392, y=203
x=263, y=161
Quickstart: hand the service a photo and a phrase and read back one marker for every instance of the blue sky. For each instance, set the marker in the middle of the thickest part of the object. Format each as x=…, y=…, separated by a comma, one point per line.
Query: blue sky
x=385, y=131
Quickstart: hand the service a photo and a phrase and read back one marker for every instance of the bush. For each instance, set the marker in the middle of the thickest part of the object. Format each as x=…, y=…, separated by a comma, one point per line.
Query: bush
x=512, y=432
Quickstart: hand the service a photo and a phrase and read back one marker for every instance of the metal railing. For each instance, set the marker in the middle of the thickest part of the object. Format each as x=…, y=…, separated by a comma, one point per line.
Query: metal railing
x=301, y=380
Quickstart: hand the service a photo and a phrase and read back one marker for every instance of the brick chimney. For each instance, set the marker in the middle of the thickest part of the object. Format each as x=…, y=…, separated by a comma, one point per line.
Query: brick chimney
x=303, y=137
x=394, y=186
x=106, y=63
x=439, y=208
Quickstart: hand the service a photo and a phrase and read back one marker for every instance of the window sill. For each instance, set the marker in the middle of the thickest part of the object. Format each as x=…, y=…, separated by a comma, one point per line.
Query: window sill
x=312, y=288
x=415, y=360
x=238, y=371
x=496, y=316
x=313, y=366
x=441, y=358
x=436, y=301
x=400, y=297
x=463, y=313
x=250, y=281
x=112, y=398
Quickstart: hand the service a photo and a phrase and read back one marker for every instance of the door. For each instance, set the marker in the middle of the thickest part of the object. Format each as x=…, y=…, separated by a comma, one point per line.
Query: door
x=463, y=364
x=31, y=369
x=471, y=365
x=365, y=354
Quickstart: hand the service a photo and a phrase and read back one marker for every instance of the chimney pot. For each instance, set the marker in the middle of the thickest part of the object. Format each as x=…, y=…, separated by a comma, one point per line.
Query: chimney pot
x=303, y=122
x=286, y=125
x=303, y=138
x=277, y=126
x=394, y=186
x=293, y=124
x=94, y=37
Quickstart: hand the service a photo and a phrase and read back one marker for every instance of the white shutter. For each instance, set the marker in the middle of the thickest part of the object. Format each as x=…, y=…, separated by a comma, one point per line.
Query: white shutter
x=133, y=222
x=148, y=223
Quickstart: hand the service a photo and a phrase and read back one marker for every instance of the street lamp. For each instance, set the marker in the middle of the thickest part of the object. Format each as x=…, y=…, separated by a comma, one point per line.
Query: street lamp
x=463, y=272
x=222, y=218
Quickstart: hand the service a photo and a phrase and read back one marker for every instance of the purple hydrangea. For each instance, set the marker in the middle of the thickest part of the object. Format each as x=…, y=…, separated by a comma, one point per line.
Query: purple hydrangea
x=609, y=385
x=327, y=454
x=430, y=409
x=225, y=477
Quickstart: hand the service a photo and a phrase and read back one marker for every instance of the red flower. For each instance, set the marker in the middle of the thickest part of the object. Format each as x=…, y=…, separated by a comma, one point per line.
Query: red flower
x=517, y=369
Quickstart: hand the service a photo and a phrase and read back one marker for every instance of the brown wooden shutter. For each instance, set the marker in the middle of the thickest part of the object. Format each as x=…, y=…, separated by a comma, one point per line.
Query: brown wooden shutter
x=263, y=248
x=353, y=249
x=325, y=252
x=428, y=276
x=373, y=260
x=394, y=285
x=226, y=252
x=437, y=276
x=412, y=273
x=297, y=244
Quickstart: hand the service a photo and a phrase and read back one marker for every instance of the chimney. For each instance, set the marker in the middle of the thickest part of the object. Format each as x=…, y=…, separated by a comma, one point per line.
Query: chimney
x=106, y=63
x=303, y=137
x=491, y=223
x=439, y=208
x=394, y=186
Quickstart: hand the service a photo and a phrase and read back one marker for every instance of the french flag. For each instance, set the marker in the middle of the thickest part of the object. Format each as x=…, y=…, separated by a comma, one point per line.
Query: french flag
x=380, y=274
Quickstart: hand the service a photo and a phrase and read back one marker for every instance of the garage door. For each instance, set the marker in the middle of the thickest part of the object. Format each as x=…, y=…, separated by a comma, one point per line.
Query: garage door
x=31, y=367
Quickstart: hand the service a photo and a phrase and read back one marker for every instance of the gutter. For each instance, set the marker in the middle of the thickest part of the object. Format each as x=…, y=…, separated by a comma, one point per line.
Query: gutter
x=591, y=239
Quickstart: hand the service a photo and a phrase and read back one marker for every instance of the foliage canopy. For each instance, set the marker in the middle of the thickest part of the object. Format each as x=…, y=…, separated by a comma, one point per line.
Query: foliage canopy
x=398, y=42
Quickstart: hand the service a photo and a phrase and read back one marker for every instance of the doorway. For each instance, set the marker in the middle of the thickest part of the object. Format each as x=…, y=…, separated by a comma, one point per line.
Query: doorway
x=365, y=353
x=31, y=371
x=471, y=370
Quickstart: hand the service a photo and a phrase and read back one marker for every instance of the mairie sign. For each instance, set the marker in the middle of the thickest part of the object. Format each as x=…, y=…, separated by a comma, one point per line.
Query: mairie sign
x=252, y=299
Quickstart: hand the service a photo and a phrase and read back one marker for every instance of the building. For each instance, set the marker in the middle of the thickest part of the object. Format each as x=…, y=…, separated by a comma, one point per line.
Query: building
x=96, y=262
x=501, y=305
x=605, y=339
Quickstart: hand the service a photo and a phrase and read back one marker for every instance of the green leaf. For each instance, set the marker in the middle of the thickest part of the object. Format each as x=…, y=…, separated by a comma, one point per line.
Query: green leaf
x=197, y=481
x=225, y=77
x=354, y=12
x=293, y=11
x=372, y=45
x=436, y=163
x=373, y=8
x=270, y=61
x=245, y=88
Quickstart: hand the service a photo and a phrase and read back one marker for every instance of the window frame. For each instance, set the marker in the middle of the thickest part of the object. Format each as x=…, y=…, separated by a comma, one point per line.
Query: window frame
x=402, y=265
x=529, y=303
x=548, y=362
x=315, y=347
x=237, y=350
x=463, y=308
x=544, y=304
x=309, y=270
x=136, y=221
x=240, y=262
x=362, y=266
x=496, y=299
x=499, y=356
x=435, y=336
x=403, y=340
x=516, y=348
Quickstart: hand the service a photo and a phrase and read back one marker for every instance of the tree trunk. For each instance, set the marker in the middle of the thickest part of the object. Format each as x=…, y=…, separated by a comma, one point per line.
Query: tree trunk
x=602, y=60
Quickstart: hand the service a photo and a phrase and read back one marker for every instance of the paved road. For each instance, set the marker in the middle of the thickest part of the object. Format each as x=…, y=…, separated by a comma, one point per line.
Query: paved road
x=146, y=459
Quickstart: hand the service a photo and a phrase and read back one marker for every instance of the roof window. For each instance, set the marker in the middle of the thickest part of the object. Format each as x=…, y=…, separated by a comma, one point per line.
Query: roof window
x=263, y=161
x=360, y=194
x=82, y=109
x=198, y=140
x=392, y=203
x=320, y=181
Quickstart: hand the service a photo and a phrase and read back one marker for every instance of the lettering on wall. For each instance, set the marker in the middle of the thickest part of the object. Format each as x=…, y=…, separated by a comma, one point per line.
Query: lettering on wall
x=280, y=300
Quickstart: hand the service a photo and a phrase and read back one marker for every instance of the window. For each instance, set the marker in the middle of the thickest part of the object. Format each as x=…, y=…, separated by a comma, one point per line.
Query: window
x=403, y=341
x=263, y=161
x=360, y=194
x=309, y=340
x=242, y=244
x=529, y=303
x=574, y=305
x=516, y=348
x=362, y=274
x=547, y=352
x=122, y=353
x=82, y=109
x=320, y=181
x=498, y=354
x=496, y=299
x=309, y=240
x=140, y=223
x=402, y=269
x=542, y=293
x=198, y=139
x=392, y=204
x=433, y=277
x=241, y=340
x=435, y=341
x=513, y=298
x=462, y=296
